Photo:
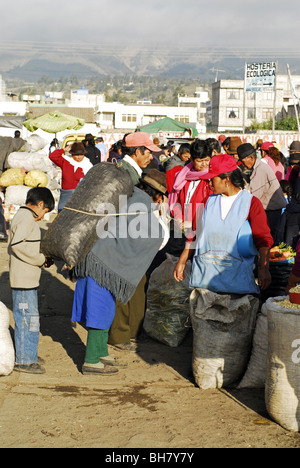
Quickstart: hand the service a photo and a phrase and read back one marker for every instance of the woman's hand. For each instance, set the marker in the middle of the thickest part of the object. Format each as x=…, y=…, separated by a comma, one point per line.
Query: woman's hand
x=179, y=271
x=292, y=282
x=264, y=277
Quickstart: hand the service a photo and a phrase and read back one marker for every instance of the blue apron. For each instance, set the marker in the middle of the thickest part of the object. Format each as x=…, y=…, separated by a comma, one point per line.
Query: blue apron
x=222, y=263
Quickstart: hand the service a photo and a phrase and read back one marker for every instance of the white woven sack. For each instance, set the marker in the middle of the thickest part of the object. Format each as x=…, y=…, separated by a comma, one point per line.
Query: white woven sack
x=282, y=391
x=29, y=161
x=7, y=352
x=255, y=375
x=16, y=194
x=223, y=330
x=36, y=142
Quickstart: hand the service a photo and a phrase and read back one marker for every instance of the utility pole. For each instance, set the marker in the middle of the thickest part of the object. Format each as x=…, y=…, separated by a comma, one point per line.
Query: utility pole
x=294, y=96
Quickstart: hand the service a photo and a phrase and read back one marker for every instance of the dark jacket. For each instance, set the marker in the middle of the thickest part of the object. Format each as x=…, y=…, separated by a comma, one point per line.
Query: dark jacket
x=93, y=154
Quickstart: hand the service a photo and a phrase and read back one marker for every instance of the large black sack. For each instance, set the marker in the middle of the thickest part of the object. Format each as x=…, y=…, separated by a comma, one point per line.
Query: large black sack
x=72, y=234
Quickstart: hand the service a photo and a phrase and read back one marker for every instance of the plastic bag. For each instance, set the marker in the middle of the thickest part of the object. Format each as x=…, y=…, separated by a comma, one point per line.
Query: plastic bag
x=36, y=179
x=72, y=234
x=7, y=351
x=167, y=312
x=223, y=330
x=12, y=177
x=282, y=390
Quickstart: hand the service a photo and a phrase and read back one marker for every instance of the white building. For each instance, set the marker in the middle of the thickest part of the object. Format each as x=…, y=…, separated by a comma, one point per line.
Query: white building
x=114, y=115
x=198, y=100
x=234, y=110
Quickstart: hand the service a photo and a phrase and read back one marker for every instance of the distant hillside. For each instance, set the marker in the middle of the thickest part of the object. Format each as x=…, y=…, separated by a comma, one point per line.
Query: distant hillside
x=203, y=65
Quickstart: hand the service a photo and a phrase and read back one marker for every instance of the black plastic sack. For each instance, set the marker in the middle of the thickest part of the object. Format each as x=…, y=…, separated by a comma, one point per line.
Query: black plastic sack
x=72, y=234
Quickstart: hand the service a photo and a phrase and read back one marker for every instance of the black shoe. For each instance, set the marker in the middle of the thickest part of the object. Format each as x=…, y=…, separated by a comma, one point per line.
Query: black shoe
x=3, y=237
x=34, y=368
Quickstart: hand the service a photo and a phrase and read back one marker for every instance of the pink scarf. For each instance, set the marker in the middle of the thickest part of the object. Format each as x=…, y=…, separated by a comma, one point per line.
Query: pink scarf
x=182, y=177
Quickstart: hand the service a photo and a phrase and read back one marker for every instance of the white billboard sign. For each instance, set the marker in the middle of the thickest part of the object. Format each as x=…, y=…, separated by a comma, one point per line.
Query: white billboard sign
x=260, y=76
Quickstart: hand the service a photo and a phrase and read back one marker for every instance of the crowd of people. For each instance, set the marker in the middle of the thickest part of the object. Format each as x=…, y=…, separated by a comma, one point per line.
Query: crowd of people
x=228, y=203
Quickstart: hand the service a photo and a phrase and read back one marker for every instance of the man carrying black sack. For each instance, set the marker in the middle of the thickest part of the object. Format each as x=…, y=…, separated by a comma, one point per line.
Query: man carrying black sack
x=3, y=233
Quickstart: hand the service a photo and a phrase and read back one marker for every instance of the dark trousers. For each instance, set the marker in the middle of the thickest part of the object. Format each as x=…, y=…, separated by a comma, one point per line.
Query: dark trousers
x=129, y=317
x=273, y=220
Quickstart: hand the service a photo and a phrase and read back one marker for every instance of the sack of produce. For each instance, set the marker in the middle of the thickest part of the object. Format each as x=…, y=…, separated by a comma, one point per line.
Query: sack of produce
x=12, y=177
x=167, y=313
x=255, y=375
x=223, y=329
x=16, y=194
x=36, y=142
x=75, y=230
x=7, y=351
x=29, y=161
x=36, y=179
x=282, y=390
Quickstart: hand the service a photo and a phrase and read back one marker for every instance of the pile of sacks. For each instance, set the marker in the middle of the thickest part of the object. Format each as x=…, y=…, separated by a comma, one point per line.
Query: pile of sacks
x=29, y=167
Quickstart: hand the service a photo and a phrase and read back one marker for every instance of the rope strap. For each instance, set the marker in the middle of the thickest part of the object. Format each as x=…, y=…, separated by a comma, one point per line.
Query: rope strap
x=100, y=215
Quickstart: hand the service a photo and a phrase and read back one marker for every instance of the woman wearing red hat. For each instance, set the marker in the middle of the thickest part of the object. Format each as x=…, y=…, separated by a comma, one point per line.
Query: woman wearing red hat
x=234, y=230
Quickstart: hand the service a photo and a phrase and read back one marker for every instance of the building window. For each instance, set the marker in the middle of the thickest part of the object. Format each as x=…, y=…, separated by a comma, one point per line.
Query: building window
x=267, y=114
x=251, y=113
x=182, y=118
x=107, y=117
x=233, y=94
x=268, y=96
x=232, y=112
x=250, y=95
x=128, y=117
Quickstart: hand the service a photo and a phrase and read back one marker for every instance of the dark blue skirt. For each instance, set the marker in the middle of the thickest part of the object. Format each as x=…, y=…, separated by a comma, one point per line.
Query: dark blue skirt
x=93, y=305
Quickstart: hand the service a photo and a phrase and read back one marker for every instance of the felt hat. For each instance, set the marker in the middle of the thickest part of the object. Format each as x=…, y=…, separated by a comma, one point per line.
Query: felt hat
x=220, y=164
x=234, y=143
x=295, y=147
x=245, y=150
x=156, y=180
x=77, y=149
x=133, y=140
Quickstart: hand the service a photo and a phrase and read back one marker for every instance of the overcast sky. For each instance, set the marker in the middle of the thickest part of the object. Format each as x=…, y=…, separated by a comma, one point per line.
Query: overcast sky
x=255, y=25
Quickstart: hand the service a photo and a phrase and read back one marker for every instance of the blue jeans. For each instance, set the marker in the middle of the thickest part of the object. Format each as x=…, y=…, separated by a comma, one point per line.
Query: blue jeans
x=27, y=325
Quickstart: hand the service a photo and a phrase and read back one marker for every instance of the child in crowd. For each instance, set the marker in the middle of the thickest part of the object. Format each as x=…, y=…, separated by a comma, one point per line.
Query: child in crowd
x=25, y=262
x=287, y=189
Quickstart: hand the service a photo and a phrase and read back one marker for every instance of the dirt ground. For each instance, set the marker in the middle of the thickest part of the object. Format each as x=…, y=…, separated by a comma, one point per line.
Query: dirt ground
x=153, y=403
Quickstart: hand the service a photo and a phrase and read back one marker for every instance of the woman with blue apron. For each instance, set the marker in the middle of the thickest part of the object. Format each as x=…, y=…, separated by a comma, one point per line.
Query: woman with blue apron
x=234, y=230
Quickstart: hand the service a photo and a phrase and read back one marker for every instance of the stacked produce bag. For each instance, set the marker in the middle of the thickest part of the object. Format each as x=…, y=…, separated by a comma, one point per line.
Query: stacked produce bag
x=28, y=167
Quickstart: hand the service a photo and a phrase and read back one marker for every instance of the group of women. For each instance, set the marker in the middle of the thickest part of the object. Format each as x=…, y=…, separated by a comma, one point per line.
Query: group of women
x=216, y=223
x=224, y=225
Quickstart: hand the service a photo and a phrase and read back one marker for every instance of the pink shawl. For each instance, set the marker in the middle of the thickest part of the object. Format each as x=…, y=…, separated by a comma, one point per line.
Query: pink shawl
x=185, y=175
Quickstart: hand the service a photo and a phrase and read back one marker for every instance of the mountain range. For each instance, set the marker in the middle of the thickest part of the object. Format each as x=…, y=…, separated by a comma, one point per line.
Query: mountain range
x=205, y=65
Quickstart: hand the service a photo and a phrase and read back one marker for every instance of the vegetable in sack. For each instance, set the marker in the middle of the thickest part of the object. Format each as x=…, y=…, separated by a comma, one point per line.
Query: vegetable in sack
x=36, y=178
x=12, y=177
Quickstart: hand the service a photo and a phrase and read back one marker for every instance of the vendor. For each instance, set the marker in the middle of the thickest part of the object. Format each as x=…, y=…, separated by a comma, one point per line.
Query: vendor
x=114, y=267
x=73, y=166
x=294, y=277
x=190, y=190
x=223, y=260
